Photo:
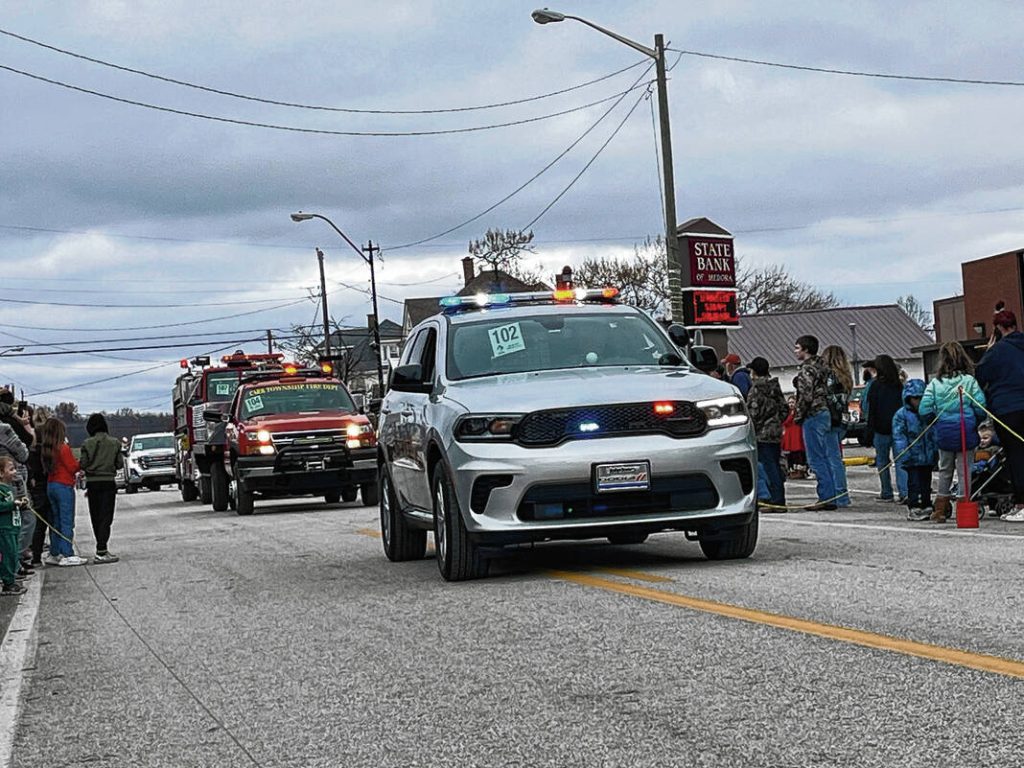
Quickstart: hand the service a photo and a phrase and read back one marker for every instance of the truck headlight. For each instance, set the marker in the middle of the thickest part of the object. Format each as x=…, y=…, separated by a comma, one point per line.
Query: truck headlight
x=726, y=411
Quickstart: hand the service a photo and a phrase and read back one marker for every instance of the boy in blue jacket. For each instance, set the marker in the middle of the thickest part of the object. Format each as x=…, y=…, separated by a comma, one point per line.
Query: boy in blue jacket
x=916, y=458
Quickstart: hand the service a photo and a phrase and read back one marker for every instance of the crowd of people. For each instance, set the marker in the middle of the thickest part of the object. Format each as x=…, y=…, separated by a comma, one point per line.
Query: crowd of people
x=38, y=474
x=916, y=429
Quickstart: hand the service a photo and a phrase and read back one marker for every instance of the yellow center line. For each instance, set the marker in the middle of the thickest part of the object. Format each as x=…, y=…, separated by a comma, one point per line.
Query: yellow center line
x=369, y=532
x=979, y=661
x=628, y=573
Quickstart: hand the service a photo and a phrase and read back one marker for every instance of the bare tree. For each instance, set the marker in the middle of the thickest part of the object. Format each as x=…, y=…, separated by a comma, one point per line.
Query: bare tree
x=915, y=309
x=772, y=289
x=642, y=280
x=503, y=250
x=306, y=342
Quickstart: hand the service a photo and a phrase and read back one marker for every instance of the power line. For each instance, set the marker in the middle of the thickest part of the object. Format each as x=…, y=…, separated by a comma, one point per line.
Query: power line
x=854, y=73
x=296, y=129
x=136, y=306
x=349, y=110
x=128, y=349
x=139, y=338
x=590, y=162
x=532, y=179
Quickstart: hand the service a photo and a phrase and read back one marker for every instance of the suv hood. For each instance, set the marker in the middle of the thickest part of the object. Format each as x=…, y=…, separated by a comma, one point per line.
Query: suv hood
x=525, y=392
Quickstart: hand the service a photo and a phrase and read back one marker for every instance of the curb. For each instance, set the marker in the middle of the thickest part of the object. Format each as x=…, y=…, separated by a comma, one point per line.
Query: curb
x=17, y=655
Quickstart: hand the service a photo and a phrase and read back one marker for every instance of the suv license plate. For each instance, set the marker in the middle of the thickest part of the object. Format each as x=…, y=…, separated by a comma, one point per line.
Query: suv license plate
x=624, y=476
x=315, y=465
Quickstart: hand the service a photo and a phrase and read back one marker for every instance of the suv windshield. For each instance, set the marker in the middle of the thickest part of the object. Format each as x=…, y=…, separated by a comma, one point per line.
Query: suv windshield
x=152, y=442
x=293, y=398
x=551, y=341
x=220, y=387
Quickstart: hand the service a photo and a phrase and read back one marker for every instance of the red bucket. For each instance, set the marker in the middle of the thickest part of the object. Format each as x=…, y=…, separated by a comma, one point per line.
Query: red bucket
x=966, y=514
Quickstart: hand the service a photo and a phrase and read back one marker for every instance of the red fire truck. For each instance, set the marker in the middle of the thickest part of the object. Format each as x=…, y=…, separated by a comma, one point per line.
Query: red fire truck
x=200, y=444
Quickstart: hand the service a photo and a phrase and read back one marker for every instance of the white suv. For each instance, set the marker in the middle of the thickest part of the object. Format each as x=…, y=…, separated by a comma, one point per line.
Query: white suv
x=150, y=462
x=519, y=418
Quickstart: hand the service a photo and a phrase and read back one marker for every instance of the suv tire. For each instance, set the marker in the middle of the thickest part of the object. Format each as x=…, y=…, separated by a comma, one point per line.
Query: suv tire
x=218, y=486
x=244, y=501
x=458, y=556
x=740, y=543
x=333, y=497
x=370, y=493
x=401, y=541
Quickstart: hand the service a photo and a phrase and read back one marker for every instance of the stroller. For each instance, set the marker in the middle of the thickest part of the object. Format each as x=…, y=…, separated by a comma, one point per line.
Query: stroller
x=991, y=486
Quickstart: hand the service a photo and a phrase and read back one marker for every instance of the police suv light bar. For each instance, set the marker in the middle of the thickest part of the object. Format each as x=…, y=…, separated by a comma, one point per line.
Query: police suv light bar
x=451, y=304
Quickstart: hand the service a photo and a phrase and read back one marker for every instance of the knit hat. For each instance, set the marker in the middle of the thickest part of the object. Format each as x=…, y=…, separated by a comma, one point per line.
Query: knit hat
x=1005, y=318
x=731, y=358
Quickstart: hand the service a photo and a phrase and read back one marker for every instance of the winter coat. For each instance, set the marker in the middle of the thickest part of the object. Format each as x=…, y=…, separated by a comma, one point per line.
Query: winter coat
x=792, y=434
x=884, y=399
x=811, y=384
x=838, y=400
x=865, y=394
x=741, y=380
x=101, y=457
x=907, y=426
x=942, y=399
x=1001, y=374
x=768, y=408
x=11, y=445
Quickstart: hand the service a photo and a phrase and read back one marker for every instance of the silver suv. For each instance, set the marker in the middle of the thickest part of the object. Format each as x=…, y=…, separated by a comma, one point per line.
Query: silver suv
x=520, y=418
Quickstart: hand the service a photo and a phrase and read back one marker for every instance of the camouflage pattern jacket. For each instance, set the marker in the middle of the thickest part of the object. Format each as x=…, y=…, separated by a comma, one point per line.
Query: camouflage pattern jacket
x=811, y=384
x=768, y=409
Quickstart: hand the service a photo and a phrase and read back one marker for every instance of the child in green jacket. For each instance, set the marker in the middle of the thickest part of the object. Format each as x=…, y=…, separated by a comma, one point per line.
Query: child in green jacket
x=10, y=528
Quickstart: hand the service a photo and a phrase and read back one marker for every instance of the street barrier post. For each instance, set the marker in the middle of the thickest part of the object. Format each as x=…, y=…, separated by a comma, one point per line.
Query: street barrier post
x=966, y=510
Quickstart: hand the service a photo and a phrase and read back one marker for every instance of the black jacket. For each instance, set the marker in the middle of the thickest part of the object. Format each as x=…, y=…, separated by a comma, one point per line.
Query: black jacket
x=884, y=400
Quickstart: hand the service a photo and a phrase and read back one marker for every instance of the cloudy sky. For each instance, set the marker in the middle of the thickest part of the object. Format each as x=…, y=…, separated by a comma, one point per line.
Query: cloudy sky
x=119, y=221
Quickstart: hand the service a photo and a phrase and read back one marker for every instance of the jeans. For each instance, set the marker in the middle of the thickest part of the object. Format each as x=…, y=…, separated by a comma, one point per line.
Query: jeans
x=817, y=436
x=42, y=506
x=950, y=462
x=919, y=487
x=101, y=497
x=774, y=488
x=62, y=505
x=835, y=462
x=883, y=457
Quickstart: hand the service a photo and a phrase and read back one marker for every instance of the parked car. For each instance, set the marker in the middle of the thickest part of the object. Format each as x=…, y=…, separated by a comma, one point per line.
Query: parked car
x=527, y=417
x=149, y=462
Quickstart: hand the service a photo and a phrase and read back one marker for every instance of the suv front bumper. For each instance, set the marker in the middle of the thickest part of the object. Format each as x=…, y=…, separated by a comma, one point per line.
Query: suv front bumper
x=302, y=471
x=695, y=483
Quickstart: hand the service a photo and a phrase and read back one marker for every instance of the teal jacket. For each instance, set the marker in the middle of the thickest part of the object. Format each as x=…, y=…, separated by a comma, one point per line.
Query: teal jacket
x=942, y=399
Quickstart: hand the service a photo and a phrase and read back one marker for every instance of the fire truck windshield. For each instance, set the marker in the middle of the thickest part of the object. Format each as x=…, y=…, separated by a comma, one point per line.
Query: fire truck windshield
x=220, y=387
x=268, y=399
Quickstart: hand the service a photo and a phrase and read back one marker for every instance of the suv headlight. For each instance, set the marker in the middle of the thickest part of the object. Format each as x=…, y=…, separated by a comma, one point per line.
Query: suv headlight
x=726, y=411
x=475, y=428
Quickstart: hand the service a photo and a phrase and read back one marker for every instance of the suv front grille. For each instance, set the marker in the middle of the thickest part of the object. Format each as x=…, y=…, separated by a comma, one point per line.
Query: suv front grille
x=548, y=428
x=579, y=501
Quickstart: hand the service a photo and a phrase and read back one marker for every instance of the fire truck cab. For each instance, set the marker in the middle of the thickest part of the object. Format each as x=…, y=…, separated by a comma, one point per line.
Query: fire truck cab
x=200, y=444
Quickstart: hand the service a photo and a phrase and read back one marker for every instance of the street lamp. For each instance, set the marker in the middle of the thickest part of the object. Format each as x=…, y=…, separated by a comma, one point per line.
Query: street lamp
x=300, y=216
x=853, y=332
x=545, y=16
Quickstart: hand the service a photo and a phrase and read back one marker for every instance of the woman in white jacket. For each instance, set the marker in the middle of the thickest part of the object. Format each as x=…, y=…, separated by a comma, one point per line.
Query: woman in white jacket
x=942, y=399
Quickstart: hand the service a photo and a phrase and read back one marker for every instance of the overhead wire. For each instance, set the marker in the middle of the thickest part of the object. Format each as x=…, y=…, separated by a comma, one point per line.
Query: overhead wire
x=853, y=73
x=529, y=181
x=296, y=105
x=316, y=131
x=96, y=305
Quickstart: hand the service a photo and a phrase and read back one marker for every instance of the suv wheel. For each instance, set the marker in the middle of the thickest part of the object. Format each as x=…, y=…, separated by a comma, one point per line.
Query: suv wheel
x=244, y=501
x=218, y=486
x=458, y=556
x=401, y=541
x=739, y=543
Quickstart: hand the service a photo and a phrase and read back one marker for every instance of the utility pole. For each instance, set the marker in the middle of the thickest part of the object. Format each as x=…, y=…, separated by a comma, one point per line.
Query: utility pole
x=675, y=267
x=370, y=249
x=270, y=342
x=323, y=298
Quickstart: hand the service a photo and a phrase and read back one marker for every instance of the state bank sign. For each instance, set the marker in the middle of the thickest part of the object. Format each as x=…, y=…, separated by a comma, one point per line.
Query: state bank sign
x=709, y=279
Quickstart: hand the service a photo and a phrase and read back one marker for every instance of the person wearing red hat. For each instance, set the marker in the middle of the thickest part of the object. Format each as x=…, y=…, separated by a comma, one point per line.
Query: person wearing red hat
x=1001, y=375
x=737, y=376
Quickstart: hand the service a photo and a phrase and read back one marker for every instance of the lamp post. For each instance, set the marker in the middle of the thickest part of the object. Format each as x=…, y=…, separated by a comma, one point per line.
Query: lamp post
x=853, y=332
x=300, y=216
x=545, y=16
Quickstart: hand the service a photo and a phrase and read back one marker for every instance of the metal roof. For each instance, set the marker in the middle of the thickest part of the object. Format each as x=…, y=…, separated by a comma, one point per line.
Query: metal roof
x=885, y=329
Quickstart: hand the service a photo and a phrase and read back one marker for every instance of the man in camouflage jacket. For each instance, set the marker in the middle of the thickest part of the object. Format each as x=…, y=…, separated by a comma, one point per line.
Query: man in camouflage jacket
x=768, y=408
x=812, y=414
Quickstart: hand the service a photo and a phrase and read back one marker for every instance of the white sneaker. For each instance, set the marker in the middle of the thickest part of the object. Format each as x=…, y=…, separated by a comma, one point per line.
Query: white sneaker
x=52, y=560
x=71, y=560
x=1014, y=517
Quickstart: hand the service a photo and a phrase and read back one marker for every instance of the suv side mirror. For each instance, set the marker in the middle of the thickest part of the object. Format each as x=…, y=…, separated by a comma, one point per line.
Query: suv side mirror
x=212, y=414
x=679, y=335
x=409, y=378
x=704, y=358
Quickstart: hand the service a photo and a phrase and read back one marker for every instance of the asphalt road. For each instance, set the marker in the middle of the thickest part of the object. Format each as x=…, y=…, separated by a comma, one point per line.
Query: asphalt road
x=287, y=639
